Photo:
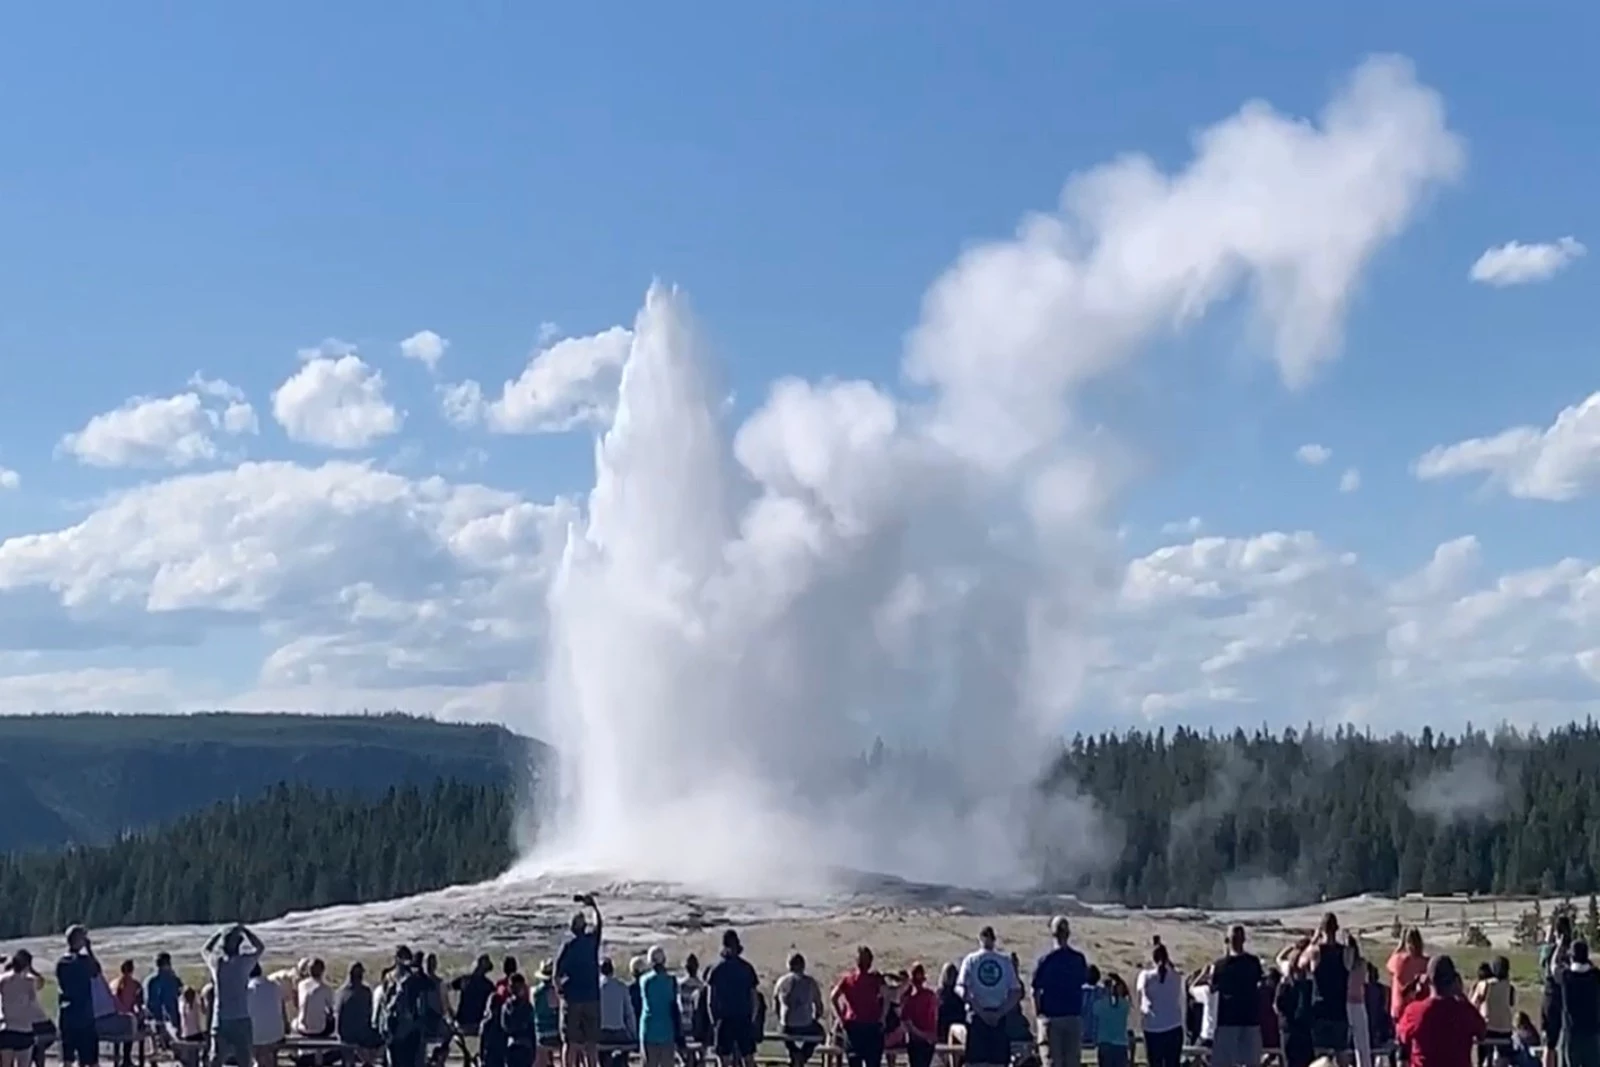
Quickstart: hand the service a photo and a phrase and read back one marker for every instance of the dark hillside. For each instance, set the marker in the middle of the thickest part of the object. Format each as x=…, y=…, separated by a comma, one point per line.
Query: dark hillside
x=89, y=778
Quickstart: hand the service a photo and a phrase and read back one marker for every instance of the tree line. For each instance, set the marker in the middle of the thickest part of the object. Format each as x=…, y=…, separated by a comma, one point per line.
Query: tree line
x=1188, y=818
x=295, y=847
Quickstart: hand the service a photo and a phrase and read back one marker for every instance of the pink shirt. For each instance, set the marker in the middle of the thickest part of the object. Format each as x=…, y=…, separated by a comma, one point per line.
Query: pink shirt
x=1404, y=968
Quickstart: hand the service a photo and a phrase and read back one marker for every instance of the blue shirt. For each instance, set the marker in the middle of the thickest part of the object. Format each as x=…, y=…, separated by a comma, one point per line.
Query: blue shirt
x=1058, y=983
x=1111, y=1021
x=658, y=1000
x=578, y=969
x=161, y=992
x=75, y=986
x=1091, y=994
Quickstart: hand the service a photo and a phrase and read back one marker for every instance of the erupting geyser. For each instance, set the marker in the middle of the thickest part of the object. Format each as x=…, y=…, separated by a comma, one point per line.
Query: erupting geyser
x=743, y=613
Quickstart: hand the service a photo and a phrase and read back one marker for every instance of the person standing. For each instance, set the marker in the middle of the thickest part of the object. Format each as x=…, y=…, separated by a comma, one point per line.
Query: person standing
x=1580, y=1009
x=472, y=992
x=733, y=994
x=800, y=1011
x=1161, y=1008
x=1441, y=1029
x=990, y=989
x=919, y=1013
x=76, y=972
x=1554, y=956
x=1324, y=963
x=577, y=972
x=1355, y=1006
x=1236, y=984
x=1407, y=967
x=660, y=1018
x=231, y=954
x=1111, y=1033
x=161, y=991
x=861, y=1002
x=1058, y=980
x=20, y=1011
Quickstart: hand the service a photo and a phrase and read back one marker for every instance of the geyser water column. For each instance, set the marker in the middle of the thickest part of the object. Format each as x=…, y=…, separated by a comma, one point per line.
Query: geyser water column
x=738, y=619
x=740, y=613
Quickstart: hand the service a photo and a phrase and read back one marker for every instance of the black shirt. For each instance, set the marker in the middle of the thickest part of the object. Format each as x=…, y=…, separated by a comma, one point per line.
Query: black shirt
x=1236, y=980
x=731, y=988
x=1330, y=985
x=1580, y=1002
x=472, y=998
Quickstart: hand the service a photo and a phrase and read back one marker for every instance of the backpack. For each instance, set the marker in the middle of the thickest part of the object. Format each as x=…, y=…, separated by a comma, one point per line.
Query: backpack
x=400, y=1015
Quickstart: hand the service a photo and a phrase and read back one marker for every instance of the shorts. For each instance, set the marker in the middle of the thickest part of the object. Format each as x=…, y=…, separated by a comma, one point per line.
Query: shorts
x=580, y=1022
x=80, y=1043
x=734, y=1037
x=1063, y=1040
x=16, y=1040
x=235, y=1039
x=549, y=1041
x=1236, y=1046
x=988, y=1044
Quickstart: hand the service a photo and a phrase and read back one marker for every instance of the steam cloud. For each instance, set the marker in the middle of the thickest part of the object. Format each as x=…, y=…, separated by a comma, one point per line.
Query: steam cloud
x=1469, y=788
x=740, y=612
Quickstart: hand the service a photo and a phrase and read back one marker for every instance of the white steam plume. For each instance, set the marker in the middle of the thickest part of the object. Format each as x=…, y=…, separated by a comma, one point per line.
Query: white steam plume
x=732, y=626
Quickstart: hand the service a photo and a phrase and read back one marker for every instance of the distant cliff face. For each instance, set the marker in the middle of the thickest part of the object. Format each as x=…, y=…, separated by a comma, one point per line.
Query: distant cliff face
x=87, y=778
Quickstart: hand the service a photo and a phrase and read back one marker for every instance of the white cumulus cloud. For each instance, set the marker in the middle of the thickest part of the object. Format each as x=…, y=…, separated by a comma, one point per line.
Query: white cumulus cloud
x=1313, y=455
x=336, y=402
x=572, y=382
x=1556, y=462
x=1350, y=480
x=9, y=479
x=426, y=347
x=173, y=431
x=1515, y=263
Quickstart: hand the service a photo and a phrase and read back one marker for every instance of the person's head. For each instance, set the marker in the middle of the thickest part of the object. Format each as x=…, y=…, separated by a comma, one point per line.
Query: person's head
x=797, y=963
x=163, y=962
x=508, y=966
x=232, y=942
x=1580, y=952
x=21, y=962
x=483, y=965
x=1443, y=978
x=863, y=959
x=1563, y=927
x=1118, y=988
x=919, y=976
x=691, y=965
x=1352, y=951
x=1413, y=940
x=126, y=969
x=1525, y=1021
x=1500, y=968
x=607, y=969
x=1484, y=971
x=403, y=958
x=1092, y=975
x=731, y=945
x=430, y=964
x=580, y=924
x=1328, y=928
x=318, y=969
x=77, y=937
x=1161, y=960
x=357, y=974
x=190, y=995
x=658, y=958
x=637, y=966
x=948, y=975
x=1236, y=938
x=1060, y=929
x=519, y=985
x=546, y=971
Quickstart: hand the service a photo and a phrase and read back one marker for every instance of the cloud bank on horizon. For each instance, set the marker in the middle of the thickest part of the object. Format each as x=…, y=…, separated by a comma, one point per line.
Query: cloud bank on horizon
x=981, y=499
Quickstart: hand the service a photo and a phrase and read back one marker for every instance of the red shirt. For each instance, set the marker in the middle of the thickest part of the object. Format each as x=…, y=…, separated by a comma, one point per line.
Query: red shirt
x=862, y=993
x=920, y=1008
x=1441, y=1032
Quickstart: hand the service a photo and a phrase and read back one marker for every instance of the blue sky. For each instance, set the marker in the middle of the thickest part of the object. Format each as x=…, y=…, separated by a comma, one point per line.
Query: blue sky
x=213, y=189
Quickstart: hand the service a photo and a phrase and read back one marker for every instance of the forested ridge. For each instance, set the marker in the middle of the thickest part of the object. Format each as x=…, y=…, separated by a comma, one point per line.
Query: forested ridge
x=294, y=848
x=85, y=779
x=1188, y=818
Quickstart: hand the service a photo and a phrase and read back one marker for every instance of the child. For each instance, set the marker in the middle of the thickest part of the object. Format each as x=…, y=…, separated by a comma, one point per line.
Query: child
x=1524, y=1040
x=1111, y=1004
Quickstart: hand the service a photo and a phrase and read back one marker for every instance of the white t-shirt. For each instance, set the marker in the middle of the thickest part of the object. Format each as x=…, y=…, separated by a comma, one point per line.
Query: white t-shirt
x=987, y=979
x=1160, y=1000
x=19, y=1003
x=1208, y=1002
x=192, y=1018
x=265, y=998
x=316, y=1007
